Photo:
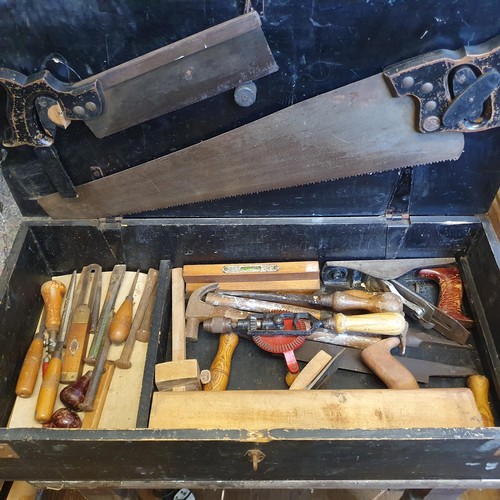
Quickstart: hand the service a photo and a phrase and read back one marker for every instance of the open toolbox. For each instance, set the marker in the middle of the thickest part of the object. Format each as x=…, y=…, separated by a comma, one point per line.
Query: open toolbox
x=353, y=431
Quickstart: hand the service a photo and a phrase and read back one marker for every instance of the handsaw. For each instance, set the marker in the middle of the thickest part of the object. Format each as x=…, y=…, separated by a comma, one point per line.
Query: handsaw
x=350, y=360
x=357, y=129
x=166, y=79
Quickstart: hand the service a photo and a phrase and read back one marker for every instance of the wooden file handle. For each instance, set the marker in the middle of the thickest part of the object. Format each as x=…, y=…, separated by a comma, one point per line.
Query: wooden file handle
x=377, y=323
x=479, y=385
x=31, y=366
x=48, y=391
x=53, y=293
x=370, y=301
x=122, y=321
x=380, y=361
x=76, y=345
x=221, y=365
x=450, y=292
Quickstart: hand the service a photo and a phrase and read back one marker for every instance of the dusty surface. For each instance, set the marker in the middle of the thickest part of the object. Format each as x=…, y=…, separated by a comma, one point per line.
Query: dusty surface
x=10, y=218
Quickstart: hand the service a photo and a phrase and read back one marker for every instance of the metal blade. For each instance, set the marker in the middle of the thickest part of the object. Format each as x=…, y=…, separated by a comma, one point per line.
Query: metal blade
x=353, y=130
x=351, y=361
x=386, y=269
x=182, y=73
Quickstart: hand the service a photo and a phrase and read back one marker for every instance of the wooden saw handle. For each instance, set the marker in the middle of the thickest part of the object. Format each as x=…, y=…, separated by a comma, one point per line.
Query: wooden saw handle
x=380, y=361
x=53, y=293
x=369, y=301
x=376, y=323
x=479, y=385
x=450, y=292
x=220, y=368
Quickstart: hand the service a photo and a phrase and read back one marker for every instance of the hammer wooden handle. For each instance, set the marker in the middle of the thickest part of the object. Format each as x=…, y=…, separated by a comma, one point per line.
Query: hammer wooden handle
x=369, y=301
x=479, y=385
x=53, y=293
x=221, y=365
x=376, y=323
x=380, y=361
x=450, y=292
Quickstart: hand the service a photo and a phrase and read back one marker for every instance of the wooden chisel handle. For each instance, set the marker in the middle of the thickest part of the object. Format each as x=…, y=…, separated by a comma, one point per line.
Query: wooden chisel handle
x=380, y=361
x=31, y=366
x=220, y=368
x=48, y=390
x=376, y=323
x=450, y=292
x=123, y=362
x=479, y=385
x=53, y=293
x=370, y=301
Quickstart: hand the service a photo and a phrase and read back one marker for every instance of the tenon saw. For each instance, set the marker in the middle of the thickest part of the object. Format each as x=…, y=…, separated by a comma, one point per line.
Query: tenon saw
x=364, y=127
x=169, y=78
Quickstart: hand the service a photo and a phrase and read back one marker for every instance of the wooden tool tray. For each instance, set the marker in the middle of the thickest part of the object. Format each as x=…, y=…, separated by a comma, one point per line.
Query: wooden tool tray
x=222, y=454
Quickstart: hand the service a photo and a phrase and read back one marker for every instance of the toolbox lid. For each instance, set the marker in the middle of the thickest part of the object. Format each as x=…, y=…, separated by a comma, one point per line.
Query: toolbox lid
x=317, y=46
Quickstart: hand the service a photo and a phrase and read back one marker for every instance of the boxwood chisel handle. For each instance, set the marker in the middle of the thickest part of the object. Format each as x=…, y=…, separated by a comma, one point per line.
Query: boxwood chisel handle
x=32, y=361
x=50, y=383
x=220, y=368
x=144, y=330
x=104, y=318
x=450, y=292
x=124, y=361
x=379, y=359
x=479, y=385
x=53, y=293
x=122, y=320
x=376, y=323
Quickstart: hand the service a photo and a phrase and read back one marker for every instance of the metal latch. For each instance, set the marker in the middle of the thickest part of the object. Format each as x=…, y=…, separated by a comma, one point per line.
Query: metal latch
x=7, y=452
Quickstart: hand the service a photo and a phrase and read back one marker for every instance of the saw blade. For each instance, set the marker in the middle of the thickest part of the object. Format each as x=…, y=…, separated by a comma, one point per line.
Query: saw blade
x=357, y=129
x=182, y=73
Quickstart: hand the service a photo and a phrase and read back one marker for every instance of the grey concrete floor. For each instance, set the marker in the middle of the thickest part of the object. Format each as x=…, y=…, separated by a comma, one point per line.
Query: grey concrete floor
x=10, y=218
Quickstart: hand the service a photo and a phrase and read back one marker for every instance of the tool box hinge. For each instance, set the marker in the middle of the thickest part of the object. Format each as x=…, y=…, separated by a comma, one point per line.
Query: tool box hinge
x=110, y=222
x=398, y=209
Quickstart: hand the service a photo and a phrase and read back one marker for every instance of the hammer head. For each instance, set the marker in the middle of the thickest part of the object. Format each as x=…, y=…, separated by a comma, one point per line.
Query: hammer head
x=196, y=307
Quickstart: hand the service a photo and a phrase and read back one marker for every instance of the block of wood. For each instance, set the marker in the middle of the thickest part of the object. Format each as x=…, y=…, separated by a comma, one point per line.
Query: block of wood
x=301, y=277
x=324, y=409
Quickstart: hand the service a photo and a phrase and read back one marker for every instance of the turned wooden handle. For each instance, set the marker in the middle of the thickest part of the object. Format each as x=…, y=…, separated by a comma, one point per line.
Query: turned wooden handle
x=380, y=361
x=479, y=385
x=76, y=345
x=122, y=321
x=48, y=390
x=450, y=292
x=377, y=323
x=370, y=301
x=53, y=294
x=220, y=368
x=31, y=366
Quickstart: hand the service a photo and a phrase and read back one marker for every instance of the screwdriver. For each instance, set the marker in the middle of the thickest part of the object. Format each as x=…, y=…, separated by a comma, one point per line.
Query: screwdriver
x=31, y=365
x=53, y=293
x=50, y=384
x=122, y=320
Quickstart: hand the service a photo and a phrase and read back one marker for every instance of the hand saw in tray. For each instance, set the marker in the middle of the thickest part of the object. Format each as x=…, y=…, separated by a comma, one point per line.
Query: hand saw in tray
x=365, y=127
x=169, y=78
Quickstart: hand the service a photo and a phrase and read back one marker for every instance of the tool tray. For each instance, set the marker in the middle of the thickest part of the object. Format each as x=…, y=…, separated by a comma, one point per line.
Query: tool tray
x=426, y=211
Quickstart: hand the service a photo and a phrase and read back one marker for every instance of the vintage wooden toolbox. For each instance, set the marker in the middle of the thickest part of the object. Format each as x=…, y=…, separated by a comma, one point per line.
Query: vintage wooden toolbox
x=425, y=211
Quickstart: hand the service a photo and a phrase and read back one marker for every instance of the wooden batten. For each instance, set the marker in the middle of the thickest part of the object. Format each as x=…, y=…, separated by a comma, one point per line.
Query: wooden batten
x=312, y=410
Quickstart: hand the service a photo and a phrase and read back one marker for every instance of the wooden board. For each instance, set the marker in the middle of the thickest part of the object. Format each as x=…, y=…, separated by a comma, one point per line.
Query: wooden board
x=494, y=213
x=126, y=385
x=350, y=409
x=264, y=276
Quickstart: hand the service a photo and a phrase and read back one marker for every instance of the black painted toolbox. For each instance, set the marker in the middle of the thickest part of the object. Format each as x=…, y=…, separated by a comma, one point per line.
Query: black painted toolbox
x=423, y=211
